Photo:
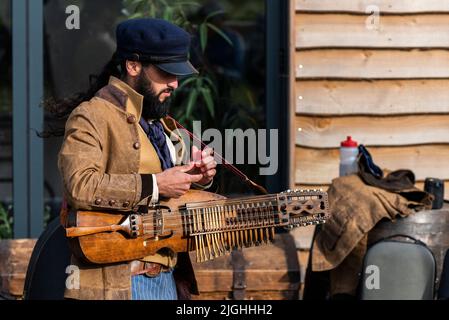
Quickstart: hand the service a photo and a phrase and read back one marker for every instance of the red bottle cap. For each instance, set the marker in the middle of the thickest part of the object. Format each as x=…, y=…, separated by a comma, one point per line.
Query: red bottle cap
x=349, y=143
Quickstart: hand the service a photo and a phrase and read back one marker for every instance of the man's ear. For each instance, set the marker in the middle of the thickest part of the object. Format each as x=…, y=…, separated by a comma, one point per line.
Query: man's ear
x=134, y=68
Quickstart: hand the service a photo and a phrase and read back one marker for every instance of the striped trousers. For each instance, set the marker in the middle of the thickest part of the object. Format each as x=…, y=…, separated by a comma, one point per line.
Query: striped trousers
x=162, y=287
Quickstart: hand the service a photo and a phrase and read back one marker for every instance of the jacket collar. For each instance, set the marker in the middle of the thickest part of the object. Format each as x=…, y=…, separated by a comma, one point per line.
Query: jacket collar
x=122, y=95
x=134, y=103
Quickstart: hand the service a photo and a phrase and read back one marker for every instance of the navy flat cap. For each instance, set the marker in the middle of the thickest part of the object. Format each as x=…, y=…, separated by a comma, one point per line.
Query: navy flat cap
x=155, y=41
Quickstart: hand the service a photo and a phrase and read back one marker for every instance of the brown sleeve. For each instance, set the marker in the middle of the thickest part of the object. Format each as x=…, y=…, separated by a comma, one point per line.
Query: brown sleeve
x=80, y=163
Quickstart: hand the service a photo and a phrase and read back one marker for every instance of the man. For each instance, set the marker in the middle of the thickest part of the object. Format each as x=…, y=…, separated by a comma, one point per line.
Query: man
x=117, y=155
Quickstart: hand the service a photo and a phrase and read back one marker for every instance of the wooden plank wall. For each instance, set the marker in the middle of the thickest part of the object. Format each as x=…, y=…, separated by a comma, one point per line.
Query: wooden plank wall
x=385, y=84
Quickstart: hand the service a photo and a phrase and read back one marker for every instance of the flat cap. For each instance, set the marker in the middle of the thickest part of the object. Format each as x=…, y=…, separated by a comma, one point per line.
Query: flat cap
x=156, y=41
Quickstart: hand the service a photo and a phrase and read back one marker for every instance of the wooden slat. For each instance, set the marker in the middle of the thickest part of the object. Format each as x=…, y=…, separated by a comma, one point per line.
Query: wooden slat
x=328, y=132
x=303, y=237
x=344, y=30
x=268, y=267
x=323, y=187
x=268, y=279
x=292, y=93
x=320, y=166
x=372, y=64
x=419, y=184
x=14, y=258
x=385, y=6
x=377, y=97
x=250, y=295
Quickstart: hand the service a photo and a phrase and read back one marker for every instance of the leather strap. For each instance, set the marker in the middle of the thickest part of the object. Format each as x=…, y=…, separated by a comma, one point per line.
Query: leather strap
x=150, y=269
x=238, y=277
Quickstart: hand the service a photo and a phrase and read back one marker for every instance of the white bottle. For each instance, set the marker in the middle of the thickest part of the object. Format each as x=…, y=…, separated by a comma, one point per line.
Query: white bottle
x=348, y=157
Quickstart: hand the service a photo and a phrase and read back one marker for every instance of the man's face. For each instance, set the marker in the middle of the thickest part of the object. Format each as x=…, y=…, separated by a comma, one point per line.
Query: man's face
x=156, y=86
x=163, y=83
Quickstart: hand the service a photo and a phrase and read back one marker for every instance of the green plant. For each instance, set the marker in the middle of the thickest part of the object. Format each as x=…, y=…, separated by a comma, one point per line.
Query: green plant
x=196, y=92
x=173, y=11
x=5, y=224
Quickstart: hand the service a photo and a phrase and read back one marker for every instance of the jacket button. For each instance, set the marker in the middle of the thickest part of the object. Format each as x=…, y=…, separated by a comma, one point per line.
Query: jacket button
x=131, y=119
x=136, y=145
x=98, y=201
x=112, y=203
x=126, y=204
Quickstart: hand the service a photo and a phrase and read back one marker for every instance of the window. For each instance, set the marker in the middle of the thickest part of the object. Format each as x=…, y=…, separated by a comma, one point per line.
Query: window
x=5, y=107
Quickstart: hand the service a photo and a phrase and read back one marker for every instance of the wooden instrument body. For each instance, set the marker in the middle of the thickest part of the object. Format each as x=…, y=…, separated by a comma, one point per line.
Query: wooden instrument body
x=207, y=223
x=111, y=247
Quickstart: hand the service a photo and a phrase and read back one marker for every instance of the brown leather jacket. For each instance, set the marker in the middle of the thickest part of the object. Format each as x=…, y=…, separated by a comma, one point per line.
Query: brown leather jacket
x=106, y=162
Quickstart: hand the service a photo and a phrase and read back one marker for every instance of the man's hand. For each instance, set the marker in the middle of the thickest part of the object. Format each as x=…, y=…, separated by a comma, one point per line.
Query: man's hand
x=205, y=164
x=175, y=182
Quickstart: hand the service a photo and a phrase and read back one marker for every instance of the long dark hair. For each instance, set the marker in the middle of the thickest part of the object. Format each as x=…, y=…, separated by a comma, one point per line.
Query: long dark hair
x=60, y=109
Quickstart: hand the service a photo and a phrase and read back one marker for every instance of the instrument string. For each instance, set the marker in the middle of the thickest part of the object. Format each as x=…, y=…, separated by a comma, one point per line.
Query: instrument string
x=241, y=221
x=223, y=161
x=240, y=213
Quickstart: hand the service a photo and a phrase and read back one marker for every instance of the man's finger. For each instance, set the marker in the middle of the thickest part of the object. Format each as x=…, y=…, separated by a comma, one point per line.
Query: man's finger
x=187, y=167
x=196, y=154
x=195, y=178
x=207, y=152
x=209, y=166
x=207, y=161
x=211, y=173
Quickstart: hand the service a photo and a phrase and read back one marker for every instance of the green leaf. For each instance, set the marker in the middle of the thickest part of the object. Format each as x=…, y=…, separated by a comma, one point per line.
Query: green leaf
x=211, y=84
x=188, y=3
x=199, y=83
x=139, y=7
x=250, y=98
x=221, y=33
x=168, y=14
x=203, y=36
x=5, y=224
x=186, y=82
x=209, y=101
x=191, y=103
x=135, y=15
x=182, y=119
x=213, y=14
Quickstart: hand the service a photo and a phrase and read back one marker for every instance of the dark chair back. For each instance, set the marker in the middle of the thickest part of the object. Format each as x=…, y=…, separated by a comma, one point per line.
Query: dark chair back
x=443, y=291
x=398, y=270
x=46, y=274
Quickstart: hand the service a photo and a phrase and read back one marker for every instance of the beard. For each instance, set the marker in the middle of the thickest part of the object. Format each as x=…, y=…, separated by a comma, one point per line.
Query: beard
x=153, y=108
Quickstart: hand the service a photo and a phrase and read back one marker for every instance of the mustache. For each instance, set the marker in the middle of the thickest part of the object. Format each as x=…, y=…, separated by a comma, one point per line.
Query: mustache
x=168, y=90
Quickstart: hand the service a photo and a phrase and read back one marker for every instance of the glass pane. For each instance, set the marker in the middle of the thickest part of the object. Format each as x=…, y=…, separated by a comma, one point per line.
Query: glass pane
x=240, y=69
x=71, y=56
x=235, y=56
x=5, y=111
